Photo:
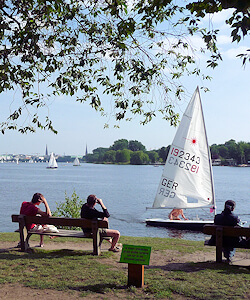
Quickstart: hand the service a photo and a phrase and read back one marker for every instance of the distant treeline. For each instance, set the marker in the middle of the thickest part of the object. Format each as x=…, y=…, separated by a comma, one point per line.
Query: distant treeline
x=127, y=152
x=240, y=152
x=135, y=153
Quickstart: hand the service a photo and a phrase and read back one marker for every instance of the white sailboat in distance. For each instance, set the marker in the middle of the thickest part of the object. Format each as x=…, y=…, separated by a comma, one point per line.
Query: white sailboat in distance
x=76, y=162
x=52, y=162
x=187, y=179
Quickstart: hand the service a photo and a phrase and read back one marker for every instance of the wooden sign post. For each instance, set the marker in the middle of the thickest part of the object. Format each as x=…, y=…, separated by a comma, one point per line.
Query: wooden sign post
x=136, y=257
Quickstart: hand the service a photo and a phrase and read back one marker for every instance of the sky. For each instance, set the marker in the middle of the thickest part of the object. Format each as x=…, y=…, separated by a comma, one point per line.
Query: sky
x=226, y=110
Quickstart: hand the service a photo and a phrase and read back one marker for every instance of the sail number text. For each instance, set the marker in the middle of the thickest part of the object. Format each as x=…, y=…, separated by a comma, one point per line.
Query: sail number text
x=169, y=186
x=187, y=161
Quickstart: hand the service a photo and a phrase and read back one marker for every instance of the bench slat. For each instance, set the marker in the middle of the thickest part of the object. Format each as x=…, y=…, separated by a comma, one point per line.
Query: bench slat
x=63, y=233
x=74, y=222
x=227, y=230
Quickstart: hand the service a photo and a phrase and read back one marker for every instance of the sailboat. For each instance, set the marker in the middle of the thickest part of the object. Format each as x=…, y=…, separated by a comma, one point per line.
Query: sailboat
x=52, y=162
x=187, y=179
x=76, y=162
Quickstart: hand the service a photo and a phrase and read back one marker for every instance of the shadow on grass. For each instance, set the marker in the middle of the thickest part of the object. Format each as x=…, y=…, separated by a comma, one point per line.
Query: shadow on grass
x=8, y=249
x=14, y=253
x=99, y=288
x=196, y=267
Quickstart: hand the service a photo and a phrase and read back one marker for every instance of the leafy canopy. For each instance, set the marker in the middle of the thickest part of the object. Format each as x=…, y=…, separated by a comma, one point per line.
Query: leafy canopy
x=109, y=49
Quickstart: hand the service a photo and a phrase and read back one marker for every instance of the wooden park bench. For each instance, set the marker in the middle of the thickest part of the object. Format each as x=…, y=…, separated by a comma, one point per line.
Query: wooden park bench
x=95, y=225
x=220, y=231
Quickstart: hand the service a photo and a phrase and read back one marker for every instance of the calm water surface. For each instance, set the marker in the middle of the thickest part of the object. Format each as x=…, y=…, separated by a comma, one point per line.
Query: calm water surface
x=125, y=190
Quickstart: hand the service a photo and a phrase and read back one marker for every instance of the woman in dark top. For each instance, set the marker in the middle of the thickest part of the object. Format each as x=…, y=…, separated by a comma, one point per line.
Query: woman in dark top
x=228, y=218
x=88, y=211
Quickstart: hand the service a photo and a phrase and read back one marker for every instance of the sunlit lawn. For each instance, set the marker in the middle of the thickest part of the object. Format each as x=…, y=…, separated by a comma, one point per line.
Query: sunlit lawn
x=70, y=270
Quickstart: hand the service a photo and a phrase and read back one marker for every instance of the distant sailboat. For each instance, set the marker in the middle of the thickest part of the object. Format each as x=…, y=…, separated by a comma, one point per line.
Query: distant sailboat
x=76, y=162
x=52, y=162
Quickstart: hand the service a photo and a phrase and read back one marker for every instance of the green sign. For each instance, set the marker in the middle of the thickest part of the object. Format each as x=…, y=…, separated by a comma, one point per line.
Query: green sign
x=139, y=255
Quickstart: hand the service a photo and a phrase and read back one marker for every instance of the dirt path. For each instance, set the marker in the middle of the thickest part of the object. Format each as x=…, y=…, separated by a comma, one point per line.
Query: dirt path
x=169, y=260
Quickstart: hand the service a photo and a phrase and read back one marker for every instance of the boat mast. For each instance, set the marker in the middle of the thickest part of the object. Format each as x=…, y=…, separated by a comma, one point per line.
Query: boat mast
x=209, y=154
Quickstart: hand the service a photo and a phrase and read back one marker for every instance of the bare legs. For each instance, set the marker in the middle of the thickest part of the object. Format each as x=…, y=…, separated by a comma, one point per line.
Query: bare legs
x=115, y=235
x=41, y=241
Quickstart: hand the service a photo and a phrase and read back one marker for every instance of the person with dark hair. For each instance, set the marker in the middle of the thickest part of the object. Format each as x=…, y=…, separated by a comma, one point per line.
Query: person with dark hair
x=89, y=211
x=31, y=209
x=228, y=218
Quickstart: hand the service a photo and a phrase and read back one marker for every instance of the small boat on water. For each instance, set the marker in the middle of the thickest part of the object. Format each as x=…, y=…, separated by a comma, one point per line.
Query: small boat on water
x=76, y=162
x=52, y=162
x=187, y=179
x=194, y=225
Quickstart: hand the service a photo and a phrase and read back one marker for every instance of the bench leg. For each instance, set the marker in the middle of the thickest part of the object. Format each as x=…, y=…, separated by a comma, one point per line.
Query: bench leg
x=97, y=242
x=27, y=246
x=219, y=242
x=24, y=235
x=22, y=231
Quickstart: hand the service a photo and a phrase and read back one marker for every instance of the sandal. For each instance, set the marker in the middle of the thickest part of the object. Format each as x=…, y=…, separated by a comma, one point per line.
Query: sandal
x=114, y=249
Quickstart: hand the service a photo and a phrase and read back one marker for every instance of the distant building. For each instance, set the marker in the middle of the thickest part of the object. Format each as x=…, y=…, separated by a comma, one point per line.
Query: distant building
x=231, y=162
x=46, y=151
x=216, y=162
x=86, y=153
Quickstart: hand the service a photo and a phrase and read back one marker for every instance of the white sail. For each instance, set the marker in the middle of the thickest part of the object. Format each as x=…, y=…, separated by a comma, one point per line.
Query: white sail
x=187, y=179
x=76, y=162
x=52, y=162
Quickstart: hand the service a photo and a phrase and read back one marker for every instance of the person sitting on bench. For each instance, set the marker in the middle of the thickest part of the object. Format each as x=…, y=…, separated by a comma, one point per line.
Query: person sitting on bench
x=31, y=209
x=88, y=211
x=228, y=218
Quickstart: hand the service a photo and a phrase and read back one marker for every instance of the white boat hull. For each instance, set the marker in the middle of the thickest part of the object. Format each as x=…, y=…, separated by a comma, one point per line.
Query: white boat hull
x=195, y=225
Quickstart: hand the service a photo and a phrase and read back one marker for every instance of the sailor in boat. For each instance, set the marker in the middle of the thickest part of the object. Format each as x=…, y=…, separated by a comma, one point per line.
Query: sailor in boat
x=175, y=213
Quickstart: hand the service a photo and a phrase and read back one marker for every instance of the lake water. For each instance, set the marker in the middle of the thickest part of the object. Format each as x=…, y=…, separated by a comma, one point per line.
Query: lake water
x=125, y=190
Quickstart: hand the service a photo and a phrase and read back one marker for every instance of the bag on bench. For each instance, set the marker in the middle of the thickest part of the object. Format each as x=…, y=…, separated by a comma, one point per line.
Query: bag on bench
x=44, y=228
x=50, y=229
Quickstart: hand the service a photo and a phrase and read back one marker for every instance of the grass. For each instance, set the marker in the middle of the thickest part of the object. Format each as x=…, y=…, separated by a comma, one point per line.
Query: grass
x=201, y=281
x=59, y=270
x=155, y=243
x=158, y=244
x=70, y=270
